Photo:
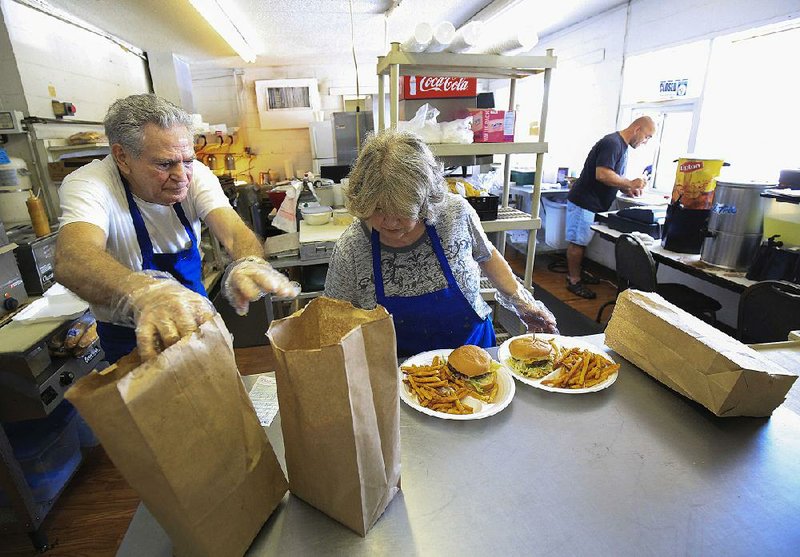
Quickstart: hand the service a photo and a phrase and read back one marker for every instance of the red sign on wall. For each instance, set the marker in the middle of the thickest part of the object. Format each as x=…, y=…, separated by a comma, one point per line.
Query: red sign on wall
x=432, y=87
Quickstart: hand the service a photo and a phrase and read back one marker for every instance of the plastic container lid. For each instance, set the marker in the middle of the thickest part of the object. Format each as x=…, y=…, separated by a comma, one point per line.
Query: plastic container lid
x=316, y=210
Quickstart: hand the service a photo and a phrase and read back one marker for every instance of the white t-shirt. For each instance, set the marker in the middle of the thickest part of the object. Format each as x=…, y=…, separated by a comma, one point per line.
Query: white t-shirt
x=94, y=194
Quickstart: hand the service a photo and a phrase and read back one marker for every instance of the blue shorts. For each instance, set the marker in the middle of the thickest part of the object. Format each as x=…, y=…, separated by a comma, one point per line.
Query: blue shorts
x=579, y=221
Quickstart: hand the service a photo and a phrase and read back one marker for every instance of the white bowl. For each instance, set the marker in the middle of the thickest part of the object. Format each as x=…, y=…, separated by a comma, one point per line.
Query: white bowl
x=316, y=216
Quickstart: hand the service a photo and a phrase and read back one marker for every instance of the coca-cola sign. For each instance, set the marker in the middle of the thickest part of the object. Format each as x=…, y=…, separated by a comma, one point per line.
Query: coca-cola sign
x=427, y=87
x=691, y=166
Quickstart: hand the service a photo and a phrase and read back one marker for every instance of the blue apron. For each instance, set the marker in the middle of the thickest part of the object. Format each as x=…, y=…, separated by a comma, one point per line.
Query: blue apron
x=186, y=266
x=441, y=319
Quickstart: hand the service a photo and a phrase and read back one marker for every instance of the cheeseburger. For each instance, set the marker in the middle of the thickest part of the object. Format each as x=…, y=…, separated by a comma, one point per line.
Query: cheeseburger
x=474, y=366
x=531, y=357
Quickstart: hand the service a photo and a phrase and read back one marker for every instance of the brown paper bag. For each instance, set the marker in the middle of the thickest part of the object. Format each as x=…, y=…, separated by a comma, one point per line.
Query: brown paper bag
x=183, y=433
x=340, y=411
x=693, y=358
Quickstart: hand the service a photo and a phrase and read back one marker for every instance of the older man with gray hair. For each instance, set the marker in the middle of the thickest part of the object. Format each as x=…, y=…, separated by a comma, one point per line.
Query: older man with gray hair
x=130, y=230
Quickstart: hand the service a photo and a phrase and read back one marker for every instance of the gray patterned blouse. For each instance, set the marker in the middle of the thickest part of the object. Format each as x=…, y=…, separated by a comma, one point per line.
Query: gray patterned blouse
x=413, y=270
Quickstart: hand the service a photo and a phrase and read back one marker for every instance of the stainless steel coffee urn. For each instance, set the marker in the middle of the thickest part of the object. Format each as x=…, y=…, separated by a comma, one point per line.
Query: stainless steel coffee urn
x=735, y=225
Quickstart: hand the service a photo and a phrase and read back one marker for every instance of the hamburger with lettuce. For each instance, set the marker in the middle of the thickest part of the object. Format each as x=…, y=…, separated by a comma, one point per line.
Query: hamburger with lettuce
x=475, y=367
x=530, y=357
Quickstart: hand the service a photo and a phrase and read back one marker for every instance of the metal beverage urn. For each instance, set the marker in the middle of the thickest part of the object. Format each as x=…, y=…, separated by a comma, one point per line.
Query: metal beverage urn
x=735, y=225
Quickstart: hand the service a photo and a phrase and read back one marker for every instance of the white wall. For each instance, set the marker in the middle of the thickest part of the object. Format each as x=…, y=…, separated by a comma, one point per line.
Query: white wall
x=587, y=83
x=655, y=24
x=82, y=67
x=12, y=97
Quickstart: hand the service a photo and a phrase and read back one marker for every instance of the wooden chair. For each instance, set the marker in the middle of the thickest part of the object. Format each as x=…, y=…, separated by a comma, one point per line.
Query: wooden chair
x=768, y=311
x=637, y=269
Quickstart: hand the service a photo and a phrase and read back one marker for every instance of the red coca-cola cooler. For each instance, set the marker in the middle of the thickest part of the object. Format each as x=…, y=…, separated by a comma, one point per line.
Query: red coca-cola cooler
x=438, y=87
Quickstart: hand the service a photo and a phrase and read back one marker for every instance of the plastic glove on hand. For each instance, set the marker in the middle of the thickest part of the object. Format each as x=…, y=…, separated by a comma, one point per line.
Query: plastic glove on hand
x=164, y=312
x=251, y=278
x=538, y=318
x=532, y=312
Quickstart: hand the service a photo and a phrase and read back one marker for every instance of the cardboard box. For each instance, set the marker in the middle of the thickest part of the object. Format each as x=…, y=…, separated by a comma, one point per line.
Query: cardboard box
x=59, y=170
x=693, y=358
x=490, y=125
x=437, y=87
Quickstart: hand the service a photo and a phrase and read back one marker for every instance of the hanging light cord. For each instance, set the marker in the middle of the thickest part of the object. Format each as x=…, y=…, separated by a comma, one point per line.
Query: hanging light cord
x=358, y=90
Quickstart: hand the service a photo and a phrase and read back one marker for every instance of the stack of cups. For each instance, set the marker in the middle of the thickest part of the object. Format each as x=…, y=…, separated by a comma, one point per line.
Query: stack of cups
x=419, y=41
x=517, y=43
x=443, y=35
x=467, y=38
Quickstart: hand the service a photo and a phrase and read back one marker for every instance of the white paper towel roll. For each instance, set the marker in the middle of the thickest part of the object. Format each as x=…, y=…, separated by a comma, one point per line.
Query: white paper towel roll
x=419, y=41
x=443, y=35
x=517, y=43
x=467, y=38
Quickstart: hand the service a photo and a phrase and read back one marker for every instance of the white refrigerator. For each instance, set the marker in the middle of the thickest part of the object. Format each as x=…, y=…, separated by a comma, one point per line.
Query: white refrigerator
x=323, y=151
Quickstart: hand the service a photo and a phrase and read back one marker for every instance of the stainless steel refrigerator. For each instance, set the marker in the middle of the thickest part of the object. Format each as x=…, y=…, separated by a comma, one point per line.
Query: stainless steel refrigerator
x=344, y=128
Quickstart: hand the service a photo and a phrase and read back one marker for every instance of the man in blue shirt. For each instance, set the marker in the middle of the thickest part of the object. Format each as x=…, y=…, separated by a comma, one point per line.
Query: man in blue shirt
x=595, y=190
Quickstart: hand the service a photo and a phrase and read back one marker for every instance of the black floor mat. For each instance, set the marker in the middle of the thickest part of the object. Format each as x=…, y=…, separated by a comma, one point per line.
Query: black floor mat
x=570, y=321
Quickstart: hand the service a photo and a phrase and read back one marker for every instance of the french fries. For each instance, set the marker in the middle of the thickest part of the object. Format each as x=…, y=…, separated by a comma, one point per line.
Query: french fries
x=437, y=388
x=579, y=368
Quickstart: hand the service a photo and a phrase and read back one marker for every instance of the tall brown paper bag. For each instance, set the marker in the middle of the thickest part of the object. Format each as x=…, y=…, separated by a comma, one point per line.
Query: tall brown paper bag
x=340, y=411
x=183, y=433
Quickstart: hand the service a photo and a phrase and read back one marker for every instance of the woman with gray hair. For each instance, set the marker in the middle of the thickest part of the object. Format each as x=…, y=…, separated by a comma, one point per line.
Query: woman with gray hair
x=418, y=251
x=130, y=229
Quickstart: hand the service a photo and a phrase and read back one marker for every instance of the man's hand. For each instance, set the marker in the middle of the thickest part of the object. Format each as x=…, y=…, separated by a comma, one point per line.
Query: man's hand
x=637, y=185
x=251, y=278
x=164, y=312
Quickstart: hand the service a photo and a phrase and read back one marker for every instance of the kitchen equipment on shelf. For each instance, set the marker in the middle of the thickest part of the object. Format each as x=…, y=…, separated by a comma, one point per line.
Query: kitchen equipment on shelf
x=775, y=262
x=689, y=210
x=782, y=215
x=12, y=288
x=36, y=380
x=735, y=224
x=323, y=190
x=35, y=258
x=683, y=229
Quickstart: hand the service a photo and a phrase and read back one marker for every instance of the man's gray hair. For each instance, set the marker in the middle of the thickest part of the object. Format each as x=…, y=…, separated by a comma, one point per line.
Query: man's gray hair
x=126, y=118
x=397, y=173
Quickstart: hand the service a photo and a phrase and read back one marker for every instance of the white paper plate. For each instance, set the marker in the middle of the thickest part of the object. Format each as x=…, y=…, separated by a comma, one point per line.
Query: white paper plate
x=504, y=356
x=505, y=391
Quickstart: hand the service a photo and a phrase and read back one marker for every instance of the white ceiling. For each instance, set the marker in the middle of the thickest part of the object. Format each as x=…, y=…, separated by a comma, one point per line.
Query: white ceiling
x=287, y=32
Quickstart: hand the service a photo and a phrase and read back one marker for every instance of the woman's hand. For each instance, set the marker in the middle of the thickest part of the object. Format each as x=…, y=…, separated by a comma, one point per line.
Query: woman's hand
x=532, y=312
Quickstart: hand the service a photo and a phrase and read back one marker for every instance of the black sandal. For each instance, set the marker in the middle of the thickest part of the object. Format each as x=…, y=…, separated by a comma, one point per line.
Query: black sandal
x=580, y=289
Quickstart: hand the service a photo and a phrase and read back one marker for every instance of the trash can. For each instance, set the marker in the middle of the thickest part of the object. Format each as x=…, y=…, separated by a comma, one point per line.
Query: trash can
x=555, y=221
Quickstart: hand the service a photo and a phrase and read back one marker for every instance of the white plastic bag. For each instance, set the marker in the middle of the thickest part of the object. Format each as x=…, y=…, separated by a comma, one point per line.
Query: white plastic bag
x=424, y=124
x=457, y=131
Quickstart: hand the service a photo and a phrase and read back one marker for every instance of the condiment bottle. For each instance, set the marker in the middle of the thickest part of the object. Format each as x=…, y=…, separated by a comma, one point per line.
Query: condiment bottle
x=41, y=224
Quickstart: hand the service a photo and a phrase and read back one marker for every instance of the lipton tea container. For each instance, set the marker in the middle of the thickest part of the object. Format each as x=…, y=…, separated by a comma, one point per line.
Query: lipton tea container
x=695, y=180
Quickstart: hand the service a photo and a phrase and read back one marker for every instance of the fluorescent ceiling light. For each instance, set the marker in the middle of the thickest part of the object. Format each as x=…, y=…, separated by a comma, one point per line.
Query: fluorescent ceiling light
x=218, y=18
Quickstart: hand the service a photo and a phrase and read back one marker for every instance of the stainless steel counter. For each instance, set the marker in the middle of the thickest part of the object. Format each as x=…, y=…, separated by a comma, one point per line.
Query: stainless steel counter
x=632, y=470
